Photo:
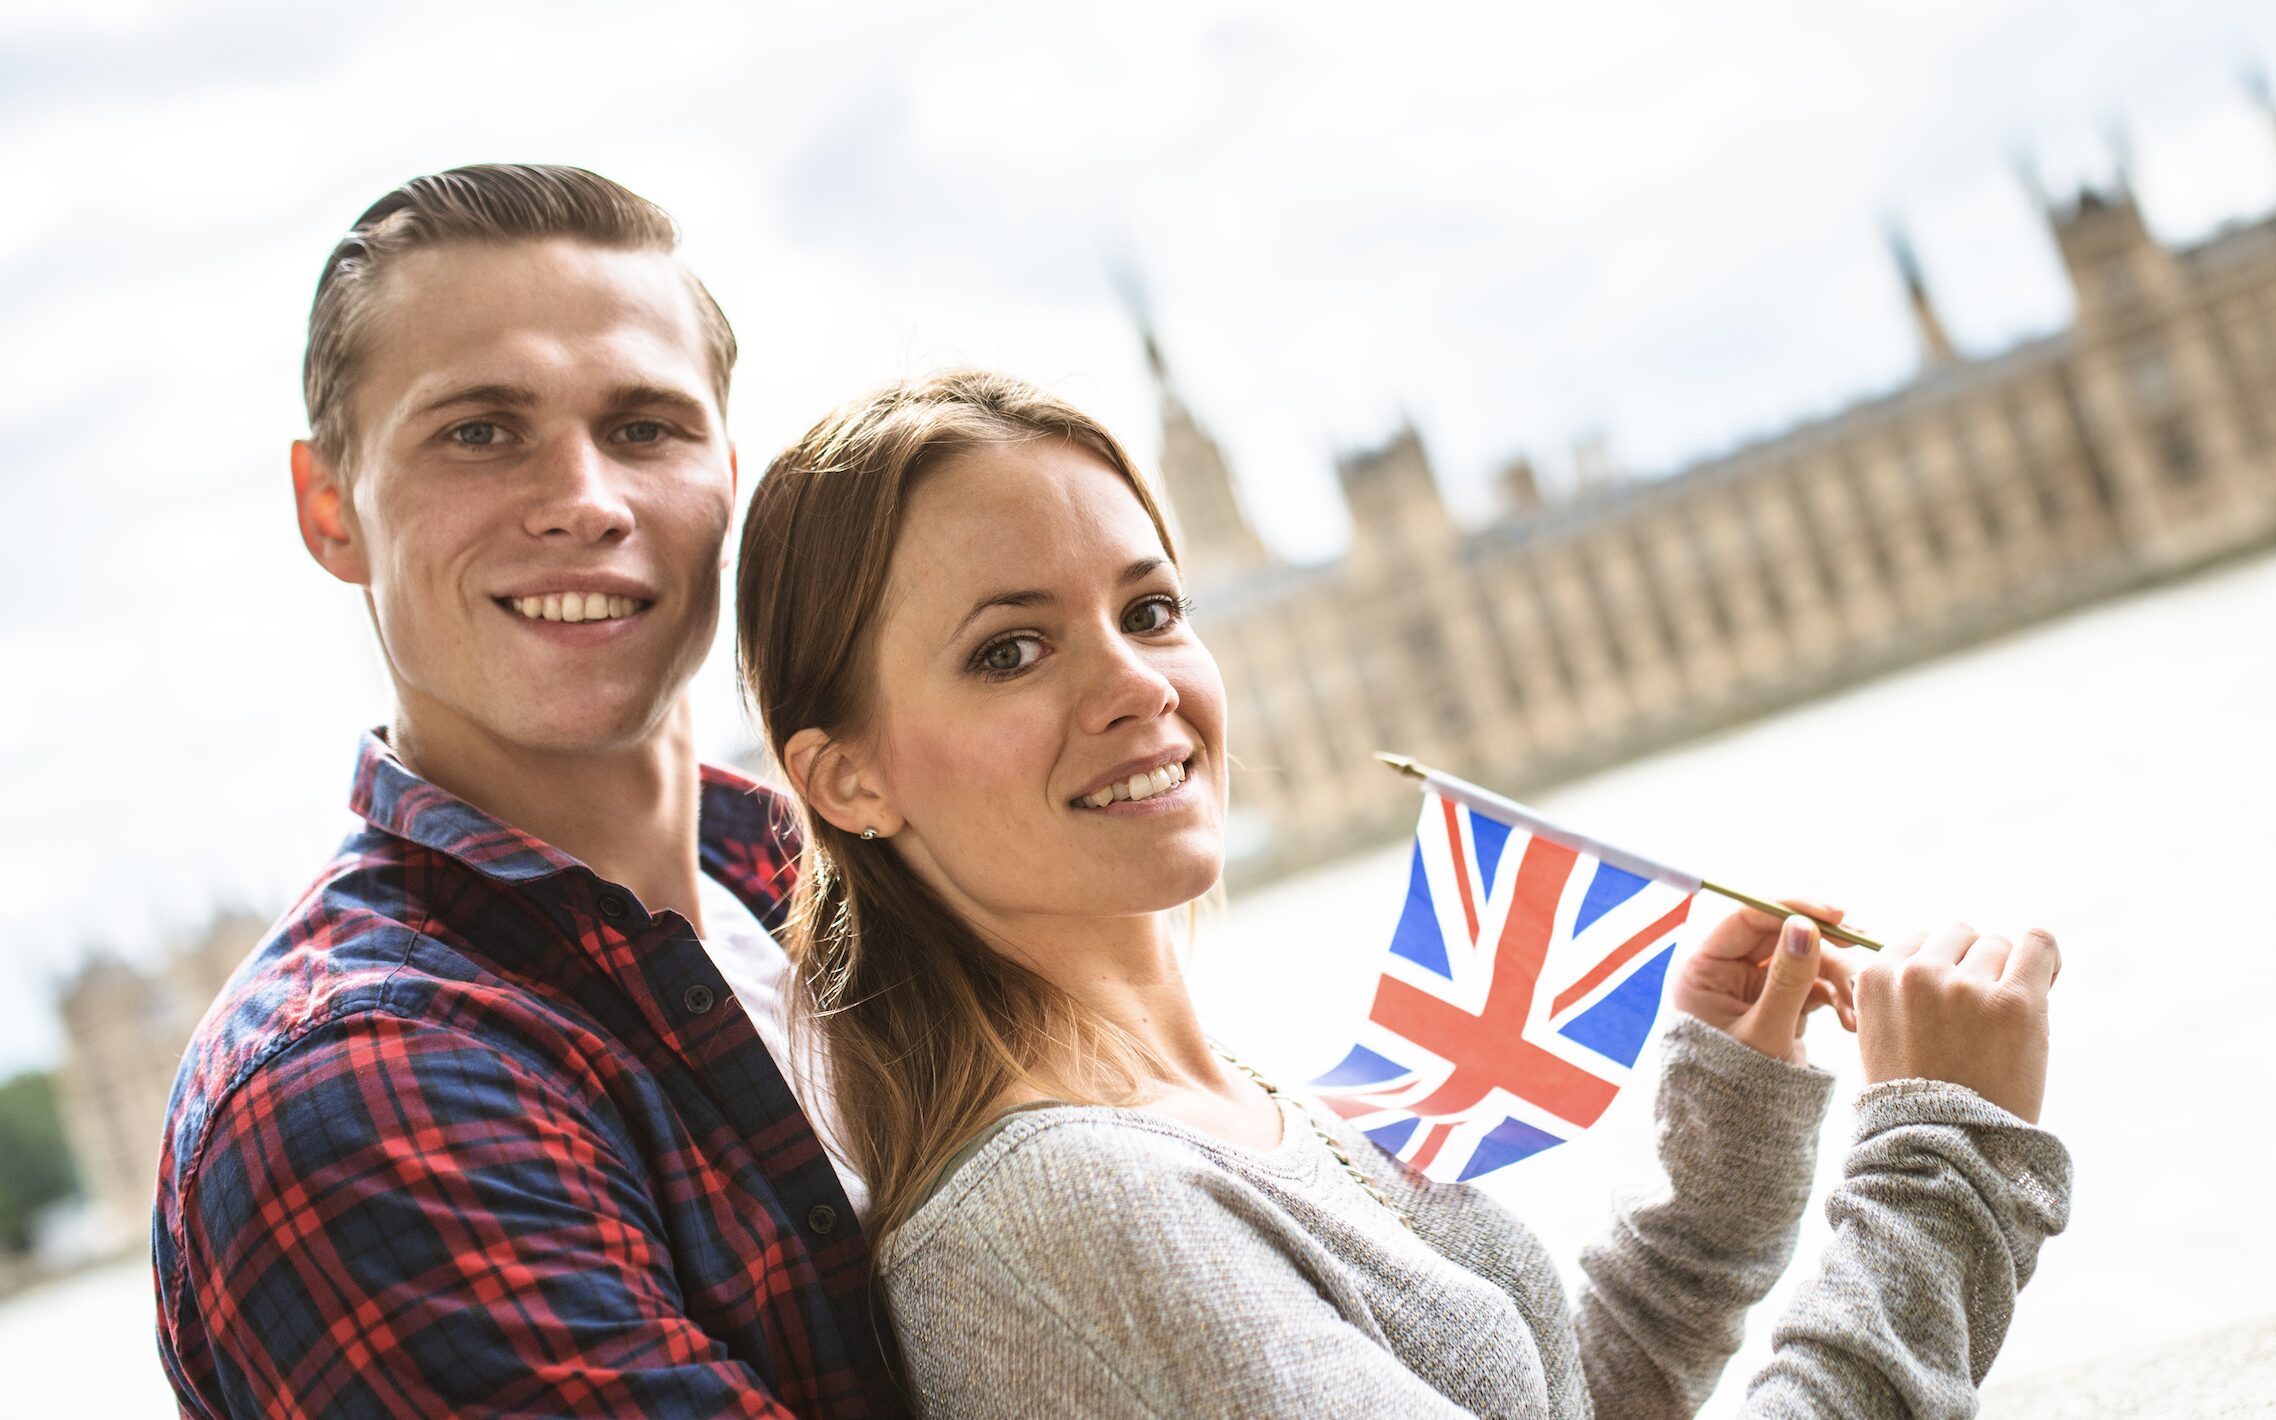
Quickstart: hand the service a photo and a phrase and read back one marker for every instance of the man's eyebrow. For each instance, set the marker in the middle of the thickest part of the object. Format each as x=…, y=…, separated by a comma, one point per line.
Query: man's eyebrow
x=678, y=401
x=624, y=397
x=1137, y=571
x=495, y=396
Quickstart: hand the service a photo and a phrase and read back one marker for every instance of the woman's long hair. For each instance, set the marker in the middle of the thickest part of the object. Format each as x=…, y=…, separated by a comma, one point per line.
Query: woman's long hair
x=923, y=1023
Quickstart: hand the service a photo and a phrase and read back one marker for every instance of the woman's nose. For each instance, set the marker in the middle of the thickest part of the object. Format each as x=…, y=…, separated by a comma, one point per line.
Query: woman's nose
x=1127, y=684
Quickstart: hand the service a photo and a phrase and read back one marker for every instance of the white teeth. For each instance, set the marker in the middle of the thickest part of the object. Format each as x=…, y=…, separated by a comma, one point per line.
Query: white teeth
x=574, y=606
x=1137, y=786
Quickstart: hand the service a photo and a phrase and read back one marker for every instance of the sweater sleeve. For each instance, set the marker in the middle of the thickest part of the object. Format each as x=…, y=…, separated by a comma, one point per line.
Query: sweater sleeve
x=1943, y=1205
x=1664, y=1304
x=1082, y=1271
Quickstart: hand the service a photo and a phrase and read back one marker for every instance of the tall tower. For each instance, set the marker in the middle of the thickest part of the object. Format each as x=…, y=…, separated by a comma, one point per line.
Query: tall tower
x=1935, y=346
x=2118, y=271
x=2156, y=391
x=1398, y=519
x=1216, y=542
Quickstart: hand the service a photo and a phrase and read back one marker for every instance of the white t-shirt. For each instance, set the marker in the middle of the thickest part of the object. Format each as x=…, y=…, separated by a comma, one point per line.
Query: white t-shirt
x=758, y=972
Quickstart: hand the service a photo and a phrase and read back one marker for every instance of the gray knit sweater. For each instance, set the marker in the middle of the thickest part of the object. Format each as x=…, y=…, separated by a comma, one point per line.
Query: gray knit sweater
x=1089, y=1261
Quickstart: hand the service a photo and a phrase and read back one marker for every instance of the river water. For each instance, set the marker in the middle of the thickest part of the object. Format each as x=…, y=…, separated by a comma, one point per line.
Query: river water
x=2108, y=777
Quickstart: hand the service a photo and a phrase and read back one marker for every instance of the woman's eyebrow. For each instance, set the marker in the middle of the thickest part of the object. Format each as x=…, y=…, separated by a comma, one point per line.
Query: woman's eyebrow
x=1031, y=597
x=1137, y=571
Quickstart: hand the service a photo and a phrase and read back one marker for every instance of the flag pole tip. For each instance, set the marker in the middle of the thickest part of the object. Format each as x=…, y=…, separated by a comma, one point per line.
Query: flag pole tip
x=1403, y=764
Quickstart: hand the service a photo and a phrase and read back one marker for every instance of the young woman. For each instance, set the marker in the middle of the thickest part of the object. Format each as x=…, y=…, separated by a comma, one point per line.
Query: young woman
x=961, y=621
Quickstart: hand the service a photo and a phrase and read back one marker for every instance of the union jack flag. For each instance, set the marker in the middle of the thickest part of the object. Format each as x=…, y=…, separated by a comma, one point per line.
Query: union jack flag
x=1523, y=979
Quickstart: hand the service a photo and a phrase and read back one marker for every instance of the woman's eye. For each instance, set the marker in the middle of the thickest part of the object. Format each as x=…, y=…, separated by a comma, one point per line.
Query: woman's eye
x=1152, y=614
x=1004, y=657
x=475, y=434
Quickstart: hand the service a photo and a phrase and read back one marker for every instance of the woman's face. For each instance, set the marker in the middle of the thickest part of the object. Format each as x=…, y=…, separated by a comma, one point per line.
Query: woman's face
x=1034, y=657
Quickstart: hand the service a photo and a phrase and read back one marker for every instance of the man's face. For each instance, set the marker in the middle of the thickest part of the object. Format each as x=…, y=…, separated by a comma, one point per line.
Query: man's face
x=542, y=488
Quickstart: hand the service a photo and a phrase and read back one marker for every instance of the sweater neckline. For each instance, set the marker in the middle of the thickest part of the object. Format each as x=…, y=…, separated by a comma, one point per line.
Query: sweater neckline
x=1285, y=1157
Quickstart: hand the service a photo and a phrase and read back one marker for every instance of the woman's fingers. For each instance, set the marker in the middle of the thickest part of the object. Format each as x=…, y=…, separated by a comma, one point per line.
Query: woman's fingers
x=2035, y=961
x=1842, y=978
x=1793, y=975
x=1986, y=957
x=1965, y=1008
x=1948, y=944
x=1749, y=933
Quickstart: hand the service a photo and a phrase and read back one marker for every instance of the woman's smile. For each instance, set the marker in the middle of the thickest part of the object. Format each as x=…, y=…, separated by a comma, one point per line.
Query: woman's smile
x=1146, y=781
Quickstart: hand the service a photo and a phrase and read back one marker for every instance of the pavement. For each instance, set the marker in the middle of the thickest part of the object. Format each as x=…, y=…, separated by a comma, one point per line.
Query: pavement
x=2215, y=1376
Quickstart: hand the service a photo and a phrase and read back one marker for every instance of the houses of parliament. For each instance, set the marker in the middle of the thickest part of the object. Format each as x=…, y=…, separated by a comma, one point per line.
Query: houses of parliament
x=1985, y=494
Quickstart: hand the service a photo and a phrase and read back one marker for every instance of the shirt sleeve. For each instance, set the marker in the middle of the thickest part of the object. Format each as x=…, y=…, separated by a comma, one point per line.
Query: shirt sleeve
x=1086, y=1274
x=1944, y=1202
x=1664, y=1304
x=394, y=1218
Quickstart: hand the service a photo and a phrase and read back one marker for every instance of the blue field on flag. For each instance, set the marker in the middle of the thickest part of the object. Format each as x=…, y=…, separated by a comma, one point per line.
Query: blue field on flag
x=1523, y=979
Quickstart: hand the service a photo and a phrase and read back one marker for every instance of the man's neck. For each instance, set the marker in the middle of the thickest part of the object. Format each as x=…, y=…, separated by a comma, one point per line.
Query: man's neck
x=630, y=814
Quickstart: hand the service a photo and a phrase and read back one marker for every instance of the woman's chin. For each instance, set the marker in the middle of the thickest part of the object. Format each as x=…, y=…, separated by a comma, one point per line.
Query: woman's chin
x=1185, y=878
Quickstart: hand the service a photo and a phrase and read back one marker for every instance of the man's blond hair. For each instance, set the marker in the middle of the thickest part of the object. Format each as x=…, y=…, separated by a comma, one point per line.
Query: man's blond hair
x=489, y=203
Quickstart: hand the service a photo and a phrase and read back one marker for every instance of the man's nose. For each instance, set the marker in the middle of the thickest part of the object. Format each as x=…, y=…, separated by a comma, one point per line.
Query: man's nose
x=579, y=493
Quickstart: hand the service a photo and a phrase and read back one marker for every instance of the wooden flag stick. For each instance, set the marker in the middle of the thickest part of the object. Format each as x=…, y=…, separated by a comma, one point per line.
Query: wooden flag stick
x=1414, y=769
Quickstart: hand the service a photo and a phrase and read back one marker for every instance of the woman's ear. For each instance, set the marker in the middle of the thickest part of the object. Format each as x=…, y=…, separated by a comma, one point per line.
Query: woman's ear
x=831, y=779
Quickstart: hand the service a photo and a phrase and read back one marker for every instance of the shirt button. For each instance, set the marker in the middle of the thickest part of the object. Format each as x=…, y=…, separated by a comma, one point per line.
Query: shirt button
x=822, y=1218
x=612, y=906
x=697, y=999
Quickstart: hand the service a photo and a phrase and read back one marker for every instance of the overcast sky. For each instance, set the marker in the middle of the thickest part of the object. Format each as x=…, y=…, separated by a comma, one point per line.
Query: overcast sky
x=1516, y=224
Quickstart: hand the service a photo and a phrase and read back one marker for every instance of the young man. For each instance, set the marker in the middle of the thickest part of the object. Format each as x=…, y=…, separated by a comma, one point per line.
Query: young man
x=484, y=1127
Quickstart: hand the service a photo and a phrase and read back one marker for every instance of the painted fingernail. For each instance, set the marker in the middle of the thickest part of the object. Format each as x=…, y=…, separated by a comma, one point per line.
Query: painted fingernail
x=1797, y=936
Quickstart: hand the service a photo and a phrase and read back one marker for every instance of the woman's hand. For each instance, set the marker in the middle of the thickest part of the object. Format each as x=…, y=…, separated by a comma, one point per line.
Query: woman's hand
x=1959, y=1007
x=1757, y=978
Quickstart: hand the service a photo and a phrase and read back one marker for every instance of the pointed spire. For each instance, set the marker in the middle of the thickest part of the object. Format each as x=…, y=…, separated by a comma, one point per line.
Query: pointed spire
x=1214, y=535
x=2027, y=173
x=1935, y=346
x=1131, y=288
x=2120, y=141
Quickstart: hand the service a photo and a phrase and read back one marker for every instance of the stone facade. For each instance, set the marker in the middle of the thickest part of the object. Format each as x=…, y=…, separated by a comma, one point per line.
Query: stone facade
x=125, y=1029
x=1986, y=493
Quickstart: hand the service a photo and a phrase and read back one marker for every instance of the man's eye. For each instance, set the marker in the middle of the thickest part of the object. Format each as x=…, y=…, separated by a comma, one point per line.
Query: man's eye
x=475, y=434
x=644, y=431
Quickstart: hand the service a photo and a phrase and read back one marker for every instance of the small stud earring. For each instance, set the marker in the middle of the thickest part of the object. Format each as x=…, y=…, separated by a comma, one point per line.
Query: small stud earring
x=869, y=835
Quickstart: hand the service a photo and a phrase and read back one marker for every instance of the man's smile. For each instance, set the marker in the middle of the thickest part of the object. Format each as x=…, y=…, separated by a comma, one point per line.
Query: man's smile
x=574, y=606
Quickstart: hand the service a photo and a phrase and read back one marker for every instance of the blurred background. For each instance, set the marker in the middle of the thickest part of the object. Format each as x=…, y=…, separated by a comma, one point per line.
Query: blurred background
x=1831, y=446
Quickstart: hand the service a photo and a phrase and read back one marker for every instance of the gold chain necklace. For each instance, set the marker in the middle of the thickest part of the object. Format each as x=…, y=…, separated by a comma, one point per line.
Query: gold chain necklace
x=1334, y=1146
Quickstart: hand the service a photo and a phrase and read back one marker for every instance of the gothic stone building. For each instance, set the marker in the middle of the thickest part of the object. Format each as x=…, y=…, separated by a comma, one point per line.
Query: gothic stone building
x=125, y=1028
x=1985, y=494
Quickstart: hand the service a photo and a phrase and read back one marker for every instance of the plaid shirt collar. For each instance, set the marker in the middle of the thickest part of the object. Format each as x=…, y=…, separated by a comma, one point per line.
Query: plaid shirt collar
x=736, y=815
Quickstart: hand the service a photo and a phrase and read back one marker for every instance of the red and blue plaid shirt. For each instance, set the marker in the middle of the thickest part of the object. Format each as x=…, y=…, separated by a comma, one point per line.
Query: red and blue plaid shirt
x=473, y=1133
